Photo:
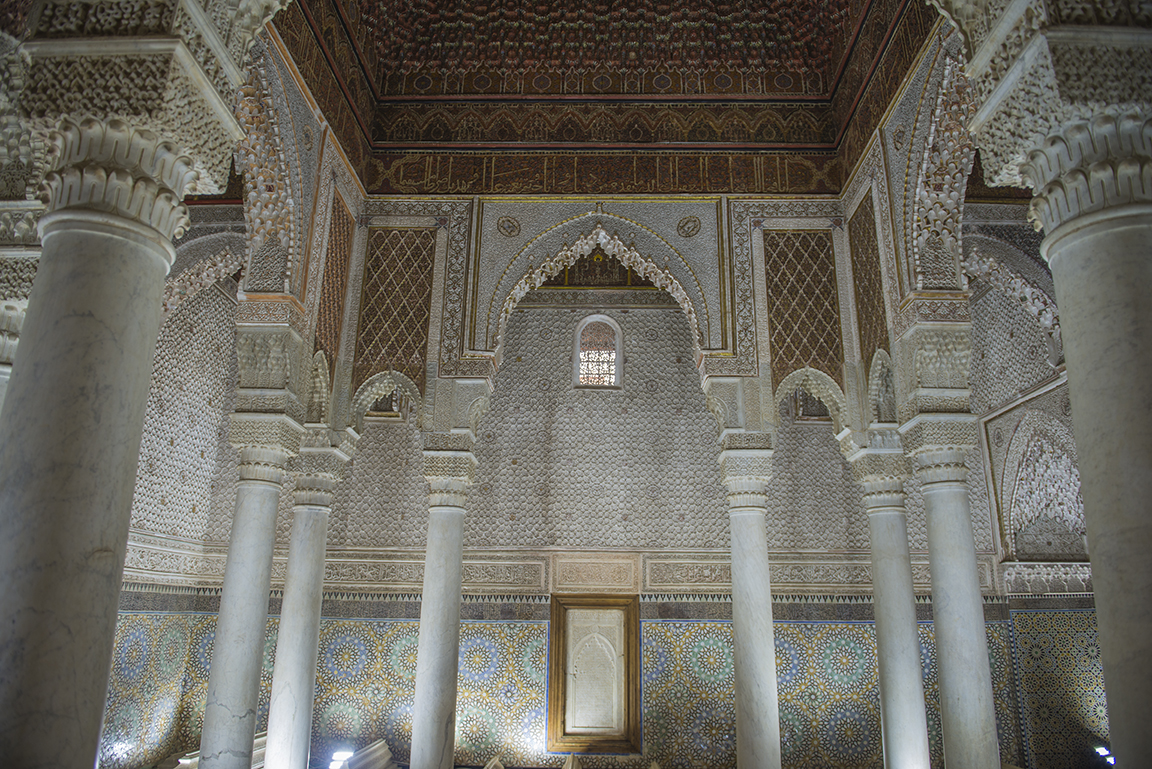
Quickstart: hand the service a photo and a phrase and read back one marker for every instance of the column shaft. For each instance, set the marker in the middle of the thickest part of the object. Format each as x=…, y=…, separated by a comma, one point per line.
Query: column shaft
x=903, y=719
x=294, y=674
x=434, y=710
x=757, y=710
x=237, y=656
x=70, y=433
x=967, y=708
x=1102, y=267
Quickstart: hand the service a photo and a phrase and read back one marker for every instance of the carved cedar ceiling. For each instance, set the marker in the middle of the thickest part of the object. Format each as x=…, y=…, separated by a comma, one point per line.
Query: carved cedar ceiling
x=772, y=96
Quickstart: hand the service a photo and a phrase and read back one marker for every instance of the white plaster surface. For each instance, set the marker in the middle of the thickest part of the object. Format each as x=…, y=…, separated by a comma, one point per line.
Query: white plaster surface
x=69, y=438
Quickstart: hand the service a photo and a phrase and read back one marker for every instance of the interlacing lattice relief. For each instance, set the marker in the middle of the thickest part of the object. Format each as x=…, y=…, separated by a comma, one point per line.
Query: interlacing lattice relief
x=330, y=316
x=803, y=308
x=395, y=304
x=868, y=285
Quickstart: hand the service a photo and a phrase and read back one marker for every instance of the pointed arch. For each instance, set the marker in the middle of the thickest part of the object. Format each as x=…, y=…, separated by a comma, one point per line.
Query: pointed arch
x=820, y=385
x=1040, y=448
x=613, y=247
x=376, y=387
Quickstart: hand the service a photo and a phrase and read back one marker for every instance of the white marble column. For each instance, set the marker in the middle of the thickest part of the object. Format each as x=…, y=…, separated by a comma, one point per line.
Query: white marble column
x=434, y=709
x=903, y=719
x=238, y=652
x=70, y=431
x=294, y=672
x=754, y=647
x=1102, y=267
x=968, y=712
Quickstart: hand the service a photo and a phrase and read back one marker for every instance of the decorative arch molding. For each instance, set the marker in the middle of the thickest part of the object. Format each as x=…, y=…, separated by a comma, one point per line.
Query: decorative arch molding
x=988, y=258
x=882, y=387
x=615, y=248
x=819, y=385
x=1036, y=430
x=377, y=387
x=319, y=396
x=179, y=288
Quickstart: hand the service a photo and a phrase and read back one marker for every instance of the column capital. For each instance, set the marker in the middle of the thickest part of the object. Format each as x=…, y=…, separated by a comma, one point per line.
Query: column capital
x=266, y=443
x=746, y=467
x=113, y=167
x=1062, y=104
x=449, y=475
x=941, y=464
x=319, y=466
x=931, y=432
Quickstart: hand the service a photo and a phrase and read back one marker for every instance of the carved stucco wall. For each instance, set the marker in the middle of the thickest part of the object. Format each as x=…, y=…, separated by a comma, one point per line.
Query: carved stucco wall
x=1009, y=353
x=629, y=468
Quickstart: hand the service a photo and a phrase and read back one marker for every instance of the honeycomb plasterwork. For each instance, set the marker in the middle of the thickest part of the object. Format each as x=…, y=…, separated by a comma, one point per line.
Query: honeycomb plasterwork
x=1010, y=351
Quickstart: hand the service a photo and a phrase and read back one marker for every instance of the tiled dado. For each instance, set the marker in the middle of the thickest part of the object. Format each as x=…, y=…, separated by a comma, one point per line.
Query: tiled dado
x=1044, y=672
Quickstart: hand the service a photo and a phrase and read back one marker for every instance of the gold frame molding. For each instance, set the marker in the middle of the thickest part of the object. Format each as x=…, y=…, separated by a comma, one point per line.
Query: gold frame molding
x=558, y=740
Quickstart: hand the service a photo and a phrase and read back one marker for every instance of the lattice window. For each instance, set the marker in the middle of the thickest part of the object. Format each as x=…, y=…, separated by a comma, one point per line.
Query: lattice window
x=597, y=353
x=803, y=304
x=870, y=314
x=333, y=287
x=395, y=305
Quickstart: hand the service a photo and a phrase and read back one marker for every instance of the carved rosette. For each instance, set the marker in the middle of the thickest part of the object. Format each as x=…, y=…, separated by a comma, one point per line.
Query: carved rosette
x=449, y=475
x=112, y=167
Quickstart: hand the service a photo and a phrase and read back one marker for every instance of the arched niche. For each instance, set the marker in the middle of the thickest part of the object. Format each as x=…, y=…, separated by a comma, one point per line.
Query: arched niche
x=379, y=386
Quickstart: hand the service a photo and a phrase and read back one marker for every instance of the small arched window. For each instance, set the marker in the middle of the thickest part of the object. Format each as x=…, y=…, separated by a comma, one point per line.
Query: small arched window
x=597, y=359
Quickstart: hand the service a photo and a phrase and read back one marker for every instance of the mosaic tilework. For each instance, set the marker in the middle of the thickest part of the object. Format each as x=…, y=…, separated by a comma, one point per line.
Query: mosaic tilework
x=826, y=671
x=1061, y=685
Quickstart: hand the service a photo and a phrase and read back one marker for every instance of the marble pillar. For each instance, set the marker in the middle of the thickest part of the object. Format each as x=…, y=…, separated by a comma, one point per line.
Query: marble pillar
x=968, y=713
x=1102, y=267
x=754, y=650
x=434, y=708
x=903, y=720
x=297, y=644
x=238, y=652
x=70, y=431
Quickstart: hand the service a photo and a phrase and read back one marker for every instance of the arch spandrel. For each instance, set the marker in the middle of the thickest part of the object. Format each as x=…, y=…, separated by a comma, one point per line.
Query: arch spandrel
x=692, y=271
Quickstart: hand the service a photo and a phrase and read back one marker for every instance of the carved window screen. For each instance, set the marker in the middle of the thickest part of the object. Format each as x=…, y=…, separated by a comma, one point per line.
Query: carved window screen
x=594, y=674
x=598, y=355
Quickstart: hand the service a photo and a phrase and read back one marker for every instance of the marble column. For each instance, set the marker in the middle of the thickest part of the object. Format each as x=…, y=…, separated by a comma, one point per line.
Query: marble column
x=968, y=713
x=294, y=672
x=754, y=649
x=903, y=720
x=434, y=708
x=1102, y=268
x=238, y=652
x=70, y=431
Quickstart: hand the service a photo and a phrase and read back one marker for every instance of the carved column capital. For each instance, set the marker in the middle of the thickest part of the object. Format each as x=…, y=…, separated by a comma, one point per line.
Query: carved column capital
x=266, y=443
x=319, y=466
x=941, y=464
x=1090, y=165
x=449, y=475
x=746, y=469
x=112, y=167
x=938, y=445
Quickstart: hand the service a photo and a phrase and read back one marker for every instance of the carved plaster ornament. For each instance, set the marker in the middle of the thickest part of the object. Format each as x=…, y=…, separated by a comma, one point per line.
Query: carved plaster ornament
x=180, y=288
x=494, y=763
x=1038, y=304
